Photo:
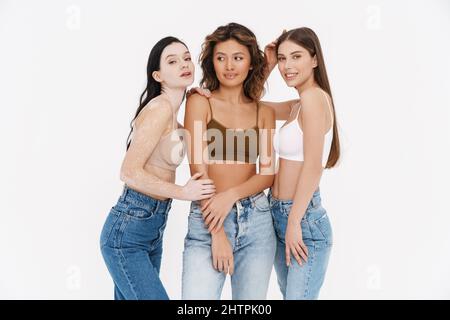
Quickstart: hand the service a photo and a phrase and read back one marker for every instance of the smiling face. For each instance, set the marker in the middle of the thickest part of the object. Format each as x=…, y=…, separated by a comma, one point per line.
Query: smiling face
x=295, y=63
x=176, y=68
x=232, y=62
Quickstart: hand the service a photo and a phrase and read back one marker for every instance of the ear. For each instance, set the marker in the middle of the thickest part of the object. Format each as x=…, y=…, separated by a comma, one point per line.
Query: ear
x=156, y=75
x=315, y=61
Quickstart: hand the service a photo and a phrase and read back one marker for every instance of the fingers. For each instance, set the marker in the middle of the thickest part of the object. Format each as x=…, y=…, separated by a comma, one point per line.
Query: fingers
x=287, y=253
x=196, y=175
x=206, y=196
x=220, y=265
x=205, y=205
x=219, y=225
x=226, y=265
x=208, y=189
x=207, y=93
x=297, y=252
x=231, y=266
x=215, y=262
x=206, y=181
x=213, y=223
x=304, y=248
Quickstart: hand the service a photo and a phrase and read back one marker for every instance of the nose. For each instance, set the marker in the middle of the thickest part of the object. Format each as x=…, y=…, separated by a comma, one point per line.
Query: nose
x=287, y=63
x=229, y=64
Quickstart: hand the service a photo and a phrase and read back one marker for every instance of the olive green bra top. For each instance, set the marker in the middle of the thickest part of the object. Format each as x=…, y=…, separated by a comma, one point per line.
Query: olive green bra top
x=229, y=144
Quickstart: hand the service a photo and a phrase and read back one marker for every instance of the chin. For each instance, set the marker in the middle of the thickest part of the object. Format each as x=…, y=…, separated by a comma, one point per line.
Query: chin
x=232, y=83
x=291, y=84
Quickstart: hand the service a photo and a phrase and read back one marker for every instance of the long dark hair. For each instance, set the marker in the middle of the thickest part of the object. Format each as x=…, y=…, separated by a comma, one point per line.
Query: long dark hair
x=254, y=83
x=153, y=88
x=308, y=39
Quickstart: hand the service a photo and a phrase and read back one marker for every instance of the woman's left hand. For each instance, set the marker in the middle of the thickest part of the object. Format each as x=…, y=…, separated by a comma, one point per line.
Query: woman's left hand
x=216, y=209
x=294, y=243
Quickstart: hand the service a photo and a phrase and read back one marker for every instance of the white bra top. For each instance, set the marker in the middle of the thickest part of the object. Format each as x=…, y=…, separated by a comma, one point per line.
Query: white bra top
x=288, y=141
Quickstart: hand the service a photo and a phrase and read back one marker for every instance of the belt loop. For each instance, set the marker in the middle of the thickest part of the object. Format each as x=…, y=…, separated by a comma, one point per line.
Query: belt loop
x=315, y=200
x=237, y=208
x=124, y=192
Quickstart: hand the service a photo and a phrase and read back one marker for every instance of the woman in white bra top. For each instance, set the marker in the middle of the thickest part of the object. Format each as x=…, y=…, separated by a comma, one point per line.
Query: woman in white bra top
x=307, y=143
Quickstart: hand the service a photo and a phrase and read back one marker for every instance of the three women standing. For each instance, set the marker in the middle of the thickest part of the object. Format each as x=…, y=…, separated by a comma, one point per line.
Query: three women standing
x=233, y=227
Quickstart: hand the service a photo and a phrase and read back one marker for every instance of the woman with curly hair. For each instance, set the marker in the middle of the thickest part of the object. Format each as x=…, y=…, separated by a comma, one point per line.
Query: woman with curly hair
x=231, y=233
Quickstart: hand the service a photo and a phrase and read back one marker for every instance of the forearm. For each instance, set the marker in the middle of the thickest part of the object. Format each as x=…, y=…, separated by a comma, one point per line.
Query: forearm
x=148, y=184
x=199, y=168
x=308, y=182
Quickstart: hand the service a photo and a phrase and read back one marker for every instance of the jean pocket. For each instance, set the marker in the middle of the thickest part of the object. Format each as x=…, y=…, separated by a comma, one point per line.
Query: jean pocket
x=108, y=226
x=324, y=226
x=139, y=213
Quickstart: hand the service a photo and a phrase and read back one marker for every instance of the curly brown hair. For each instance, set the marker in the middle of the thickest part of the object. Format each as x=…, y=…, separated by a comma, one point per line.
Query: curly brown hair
x=254, y=83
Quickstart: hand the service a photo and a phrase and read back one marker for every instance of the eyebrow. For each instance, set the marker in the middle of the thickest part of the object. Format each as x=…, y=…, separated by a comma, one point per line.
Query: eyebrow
x=174, y=55
x=298, y=51
x=231, y=54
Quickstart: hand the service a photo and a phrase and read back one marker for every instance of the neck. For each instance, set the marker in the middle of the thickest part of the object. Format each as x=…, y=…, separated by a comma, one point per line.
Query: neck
x=232, y=95
x=174, y=95
x=310, y=83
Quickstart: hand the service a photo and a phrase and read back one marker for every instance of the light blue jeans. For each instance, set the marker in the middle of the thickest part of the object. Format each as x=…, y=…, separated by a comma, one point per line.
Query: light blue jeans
x=131, y=245
x=302, y=282
x=249, y=228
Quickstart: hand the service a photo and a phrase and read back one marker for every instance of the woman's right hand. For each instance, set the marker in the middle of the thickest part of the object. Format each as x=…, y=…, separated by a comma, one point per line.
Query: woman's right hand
x=222, y=253
x=271, y=55
x=198, y=189
x=201, y=91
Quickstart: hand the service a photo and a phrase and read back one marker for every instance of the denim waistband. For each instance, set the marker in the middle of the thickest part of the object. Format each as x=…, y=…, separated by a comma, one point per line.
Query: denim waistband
x=143, y=201
x=250, y=200
x=245, y=202
x=315, y=200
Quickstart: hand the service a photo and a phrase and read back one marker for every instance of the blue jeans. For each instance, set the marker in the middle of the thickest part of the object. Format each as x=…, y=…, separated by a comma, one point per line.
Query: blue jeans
x=302, y=282
x=131, y=245
x=249, y=228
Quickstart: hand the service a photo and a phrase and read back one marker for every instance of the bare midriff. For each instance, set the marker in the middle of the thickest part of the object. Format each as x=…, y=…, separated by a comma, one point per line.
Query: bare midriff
x=285, y=182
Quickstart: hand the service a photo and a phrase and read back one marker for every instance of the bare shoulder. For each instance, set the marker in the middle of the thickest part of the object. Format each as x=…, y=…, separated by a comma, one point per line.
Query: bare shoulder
x=197, y=101
x=313, y=100
x=266, y=110
x=158, y=108
x=266, y=115
x=197, y=106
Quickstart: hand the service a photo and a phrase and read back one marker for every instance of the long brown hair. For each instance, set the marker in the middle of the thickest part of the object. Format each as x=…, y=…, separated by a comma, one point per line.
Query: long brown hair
x=254, y=83
x=308, y=39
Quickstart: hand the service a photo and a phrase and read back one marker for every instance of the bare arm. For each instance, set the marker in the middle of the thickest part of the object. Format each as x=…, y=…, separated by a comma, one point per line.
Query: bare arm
x=314, y=127
x=281, y=109
x=149, y=127
x=195, y=119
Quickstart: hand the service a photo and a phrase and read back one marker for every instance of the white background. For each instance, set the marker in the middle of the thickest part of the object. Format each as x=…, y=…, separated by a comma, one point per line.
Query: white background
x=71, y=73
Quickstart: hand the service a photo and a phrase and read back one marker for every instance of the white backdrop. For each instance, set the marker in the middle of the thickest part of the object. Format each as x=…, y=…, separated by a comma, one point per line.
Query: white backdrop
x=71, y=73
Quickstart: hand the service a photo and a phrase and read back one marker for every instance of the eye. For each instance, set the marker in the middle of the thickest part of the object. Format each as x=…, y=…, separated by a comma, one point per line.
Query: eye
x=281, y=58
x=239, y=58
x=297, y=56
x=220, y=58
x=188, y=59
x=172, y=62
